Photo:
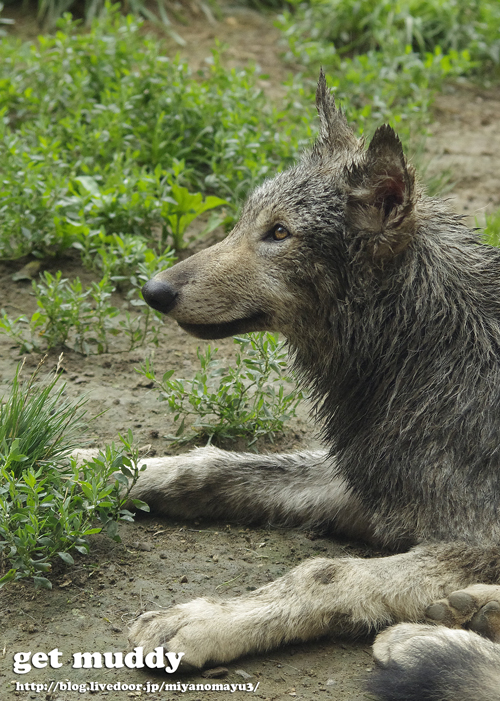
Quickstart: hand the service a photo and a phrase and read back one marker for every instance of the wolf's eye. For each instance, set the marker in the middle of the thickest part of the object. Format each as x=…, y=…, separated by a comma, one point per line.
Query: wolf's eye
x=279, y=233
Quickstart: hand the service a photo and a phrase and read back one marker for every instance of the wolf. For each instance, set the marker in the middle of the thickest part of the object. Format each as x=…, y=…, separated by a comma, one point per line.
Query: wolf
x=391, y=309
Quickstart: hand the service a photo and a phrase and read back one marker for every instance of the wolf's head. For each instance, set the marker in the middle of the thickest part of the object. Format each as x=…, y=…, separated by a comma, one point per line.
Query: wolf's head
x=289, y=257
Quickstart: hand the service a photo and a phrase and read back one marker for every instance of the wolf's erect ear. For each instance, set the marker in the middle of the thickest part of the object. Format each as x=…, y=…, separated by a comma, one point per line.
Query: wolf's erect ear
x=334, y=132
x=380, y=202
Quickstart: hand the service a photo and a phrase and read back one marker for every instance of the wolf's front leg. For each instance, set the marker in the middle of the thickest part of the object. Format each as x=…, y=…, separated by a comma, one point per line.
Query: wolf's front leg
x=293, y=489
x=319, y=596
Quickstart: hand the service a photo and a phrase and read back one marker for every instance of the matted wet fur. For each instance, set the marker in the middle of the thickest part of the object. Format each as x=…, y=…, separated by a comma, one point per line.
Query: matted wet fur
x=391, y=308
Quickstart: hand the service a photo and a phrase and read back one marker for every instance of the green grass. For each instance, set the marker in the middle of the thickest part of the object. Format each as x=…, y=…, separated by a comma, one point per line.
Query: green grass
x=48, y=11
x=36, y=415
x=491, y=234
x=360, y=26
x=102, y=134
x=111, y=148
x=101, y=130
x=49, y=505
x=387, y=60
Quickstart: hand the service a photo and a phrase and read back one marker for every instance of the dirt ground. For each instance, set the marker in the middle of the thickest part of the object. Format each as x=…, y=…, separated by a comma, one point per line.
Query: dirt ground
x=161, y=562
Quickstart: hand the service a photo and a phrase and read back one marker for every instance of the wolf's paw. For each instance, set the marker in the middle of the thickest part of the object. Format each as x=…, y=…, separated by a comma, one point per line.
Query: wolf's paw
x=196, y=629
x=404, y=644
x=476, y=608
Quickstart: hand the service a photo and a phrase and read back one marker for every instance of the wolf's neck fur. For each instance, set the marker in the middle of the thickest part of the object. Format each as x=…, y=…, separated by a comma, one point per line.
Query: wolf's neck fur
x=389, y=387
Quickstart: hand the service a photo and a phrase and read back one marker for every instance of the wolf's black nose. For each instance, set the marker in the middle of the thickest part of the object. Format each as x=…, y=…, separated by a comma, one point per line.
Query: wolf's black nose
x=159, y=295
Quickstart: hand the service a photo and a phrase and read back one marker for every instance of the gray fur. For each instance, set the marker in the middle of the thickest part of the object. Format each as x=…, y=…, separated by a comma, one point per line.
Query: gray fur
x=391, y=309
x=427, y=663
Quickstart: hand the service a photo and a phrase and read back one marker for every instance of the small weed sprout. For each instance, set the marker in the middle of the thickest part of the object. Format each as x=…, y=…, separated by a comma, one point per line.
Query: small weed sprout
x=247, y=400
x=84, y=319
x=492, y=229
x=50, y=505
x=122, y=466
x=182, y=207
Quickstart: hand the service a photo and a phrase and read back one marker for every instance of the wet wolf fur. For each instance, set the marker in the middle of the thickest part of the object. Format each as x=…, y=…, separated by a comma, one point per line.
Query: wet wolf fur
x=391, y=308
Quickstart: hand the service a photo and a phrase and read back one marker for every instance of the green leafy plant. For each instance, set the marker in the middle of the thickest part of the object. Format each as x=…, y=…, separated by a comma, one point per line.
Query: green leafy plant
x=102, y=130
x=378, y=25
x=48, y=512
x=387, y=60
x=247, y=400
x=64, y=307
x=180, y=208
x=50, y=505
x=81, y=318
x=395, y=87
x=121, y=259
x=152, y=202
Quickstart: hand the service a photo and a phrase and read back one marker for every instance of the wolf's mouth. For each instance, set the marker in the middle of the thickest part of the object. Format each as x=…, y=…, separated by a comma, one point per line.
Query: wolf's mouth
x=257, y=322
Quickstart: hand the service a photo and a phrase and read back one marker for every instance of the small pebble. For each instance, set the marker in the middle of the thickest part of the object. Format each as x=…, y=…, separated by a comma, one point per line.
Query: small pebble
x=142, y=545
x=214, y=673
x=243, y=674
